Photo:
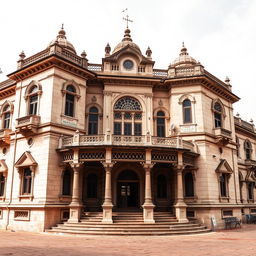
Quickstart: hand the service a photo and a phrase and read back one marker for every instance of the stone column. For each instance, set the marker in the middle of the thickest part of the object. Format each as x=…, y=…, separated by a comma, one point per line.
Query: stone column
x=107, y=205
x=148, y=206
x=180, y=205
x=75, y=205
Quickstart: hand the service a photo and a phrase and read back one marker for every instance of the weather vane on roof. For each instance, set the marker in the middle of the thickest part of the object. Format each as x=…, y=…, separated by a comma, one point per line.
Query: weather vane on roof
x=127, y=17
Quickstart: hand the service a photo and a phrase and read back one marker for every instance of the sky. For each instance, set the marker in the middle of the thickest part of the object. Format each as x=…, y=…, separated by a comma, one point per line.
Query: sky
x=221, y=34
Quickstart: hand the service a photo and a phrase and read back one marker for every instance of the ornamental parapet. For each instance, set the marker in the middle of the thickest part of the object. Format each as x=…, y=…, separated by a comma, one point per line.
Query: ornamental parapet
x=125, y=140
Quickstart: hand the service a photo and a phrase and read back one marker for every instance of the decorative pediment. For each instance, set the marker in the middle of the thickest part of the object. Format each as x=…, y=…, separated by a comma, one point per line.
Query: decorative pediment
x=224, y=167
x=3, y=166
x=25, y=160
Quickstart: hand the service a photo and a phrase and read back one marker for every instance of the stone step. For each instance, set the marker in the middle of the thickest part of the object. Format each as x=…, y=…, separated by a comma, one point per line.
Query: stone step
x=127, y=226
x=141, y=233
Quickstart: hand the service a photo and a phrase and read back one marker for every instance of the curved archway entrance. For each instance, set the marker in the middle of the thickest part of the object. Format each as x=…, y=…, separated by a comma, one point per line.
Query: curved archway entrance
x=127, y=190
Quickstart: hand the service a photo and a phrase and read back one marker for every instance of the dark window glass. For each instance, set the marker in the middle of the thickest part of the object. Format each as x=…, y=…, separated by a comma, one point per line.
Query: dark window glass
x=160, y=123
x=66, y=189
x=7, y=117
x=2, y=184
x=217, y=115
x=93, y=121
x=71, y=88
x=217, y=119
x=223, y=185
x=92, y=182
x=161, y=186
x=187, y=117
x=69, y=106
x=27, y=181
x=189, y=184
x=33, y=101
x=127, y=129
x=248, y=150
x=137, y=129
x=117, y=128
x=250, y=190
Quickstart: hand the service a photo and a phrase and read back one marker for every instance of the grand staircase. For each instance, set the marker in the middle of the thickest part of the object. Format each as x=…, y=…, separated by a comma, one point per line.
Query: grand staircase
x=129, y=223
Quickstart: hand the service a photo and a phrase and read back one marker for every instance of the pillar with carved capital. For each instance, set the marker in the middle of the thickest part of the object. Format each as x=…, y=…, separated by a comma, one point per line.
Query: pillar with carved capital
x=75, y=205
x=148, y=206
x=180, y=205
x=107, y=205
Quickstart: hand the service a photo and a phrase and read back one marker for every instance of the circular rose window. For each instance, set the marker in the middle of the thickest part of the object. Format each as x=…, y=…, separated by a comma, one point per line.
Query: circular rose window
x=128, y=64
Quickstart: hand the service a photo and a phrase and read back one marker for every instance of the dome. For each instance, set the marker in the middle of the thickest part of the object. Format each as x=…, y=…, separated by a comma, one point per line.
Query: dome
x=184, y=59
x=62, y=40
x=127, y=40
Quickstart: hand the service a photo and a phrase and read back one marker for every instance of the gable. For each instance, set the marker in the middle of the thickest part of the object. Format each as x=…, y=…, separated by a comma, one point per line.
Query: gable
x=26, y=159
x=224, y=167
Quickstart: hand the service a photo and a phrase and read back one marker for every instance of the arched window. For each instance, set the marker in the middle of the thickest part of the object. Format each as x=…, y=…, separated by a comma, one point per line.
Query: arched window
x=2, y=184
x=93, y=121
x=6, y=117
x=127, y=117
x=160, y=124
x=187, y=114
x=92, y=185
x=250, y=190
x=33, y=100
x=161, y=186
x=66, y=185
x=223, y=185
x=27, y=181
x=70, y=100
x=247, y=149
x=217, y=110
x=189, y=184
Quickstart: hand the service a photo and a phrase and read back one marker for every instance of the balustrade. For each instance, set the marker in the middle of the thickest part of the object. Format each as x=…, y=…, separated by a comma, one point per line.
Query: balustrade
x=168, y=142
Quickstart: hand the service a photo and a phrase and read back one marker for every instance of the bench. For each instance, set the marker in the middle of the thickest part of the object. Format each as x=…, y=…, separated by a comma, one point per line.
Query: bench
x=250, y=218
x=232, y=222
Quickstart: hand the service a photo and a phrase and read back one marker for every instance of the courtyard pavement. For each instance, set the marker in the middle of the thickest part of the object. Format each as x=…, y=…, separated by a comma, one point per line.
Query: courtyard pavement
x=234, y=242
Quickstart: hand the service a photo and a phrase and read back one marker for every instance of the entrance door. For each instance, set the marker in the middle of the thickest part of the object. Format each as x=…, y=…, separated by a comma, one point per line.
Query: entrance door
x=127, y=194
x=127, y=190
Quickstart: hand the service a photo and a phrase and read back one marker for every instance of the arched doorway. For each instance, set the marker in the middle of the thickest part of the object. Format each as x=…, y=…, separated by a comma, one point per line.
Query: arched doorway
x=127, y=190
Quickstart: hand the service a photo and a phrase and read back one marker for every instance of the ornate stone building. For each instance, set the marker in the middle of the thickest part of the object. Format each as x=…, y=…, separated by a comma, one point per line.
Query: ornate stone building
x=79, y=138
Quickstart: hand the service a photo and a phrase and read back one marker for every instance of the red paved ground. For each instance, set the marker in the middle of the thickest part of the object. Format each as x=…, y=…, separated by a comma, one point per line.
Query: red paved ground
x=240, y=242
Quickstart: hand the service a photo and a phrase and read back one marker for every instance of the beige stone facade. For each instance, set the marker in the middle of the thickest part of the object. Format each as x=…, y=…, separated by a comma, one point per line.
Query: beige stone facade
x=120, y=136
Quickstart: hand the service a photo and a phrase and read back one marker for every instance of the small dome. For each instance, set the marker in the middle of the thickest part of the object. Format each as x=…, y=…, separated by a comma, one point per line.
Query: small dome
x=62, y=40
x=127, y=40
x=184, y=59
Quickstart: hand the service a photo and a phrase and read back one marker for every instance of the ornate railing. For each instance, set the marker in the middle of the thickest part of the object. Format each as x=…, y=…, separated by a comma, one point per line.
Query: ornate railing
x=124, y=140
x=95, y=67
x=28, y=120
x=130, y=140
x=160, y=72
x=36, y=57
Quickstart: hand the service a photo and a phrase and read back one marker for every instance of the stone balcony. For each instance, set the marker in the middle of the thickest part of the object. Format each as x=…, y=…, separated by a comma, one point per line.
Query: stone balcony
x=125, y=140
x=223, y=136
x=28, y=124
x=5, y=137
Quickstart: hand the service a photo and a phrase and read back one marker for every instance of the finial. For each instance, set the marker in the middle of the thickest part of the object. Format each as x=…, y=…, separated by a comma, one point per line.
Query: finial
x=183, y=50
x=127, y=36
x=107, y=49
x=22, y=55
x=237, y=115
x=83, y=54
x=148, y=52
x=62, y=32
x=251, y=121
x=227, y=80
x=127, y=17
